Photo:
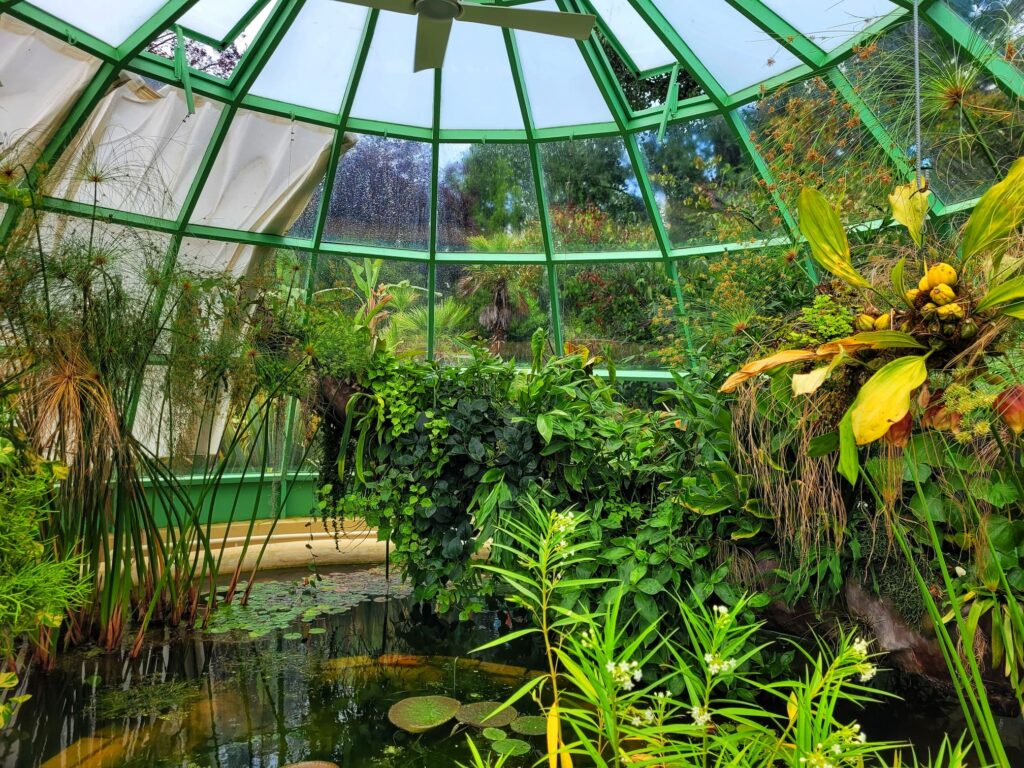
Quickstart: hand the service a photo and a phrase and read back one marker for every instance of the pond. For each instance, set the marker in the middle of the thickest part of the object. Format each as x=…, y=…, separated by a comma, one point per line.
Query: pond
x=310, y=673
x=312, y=687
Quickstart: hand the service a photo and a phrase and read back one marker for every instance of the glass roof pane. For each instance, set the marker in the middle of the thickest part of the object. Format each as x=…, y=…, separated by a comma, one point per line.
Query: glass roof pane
x=640, y=41
x=594, y=200
x=560, y=87
x=112, y=21
x=736, y=51
x=311, y=65
x=486, y=201
x=381, y=194
x=389, y=90
x=216, y=19
x=477, y=88
x=830, y=24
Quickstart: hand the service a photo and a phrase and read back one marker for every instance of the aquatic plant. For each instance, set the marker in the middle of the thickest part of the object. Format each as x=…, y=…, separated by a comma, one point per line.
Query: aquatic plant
x=418, y=714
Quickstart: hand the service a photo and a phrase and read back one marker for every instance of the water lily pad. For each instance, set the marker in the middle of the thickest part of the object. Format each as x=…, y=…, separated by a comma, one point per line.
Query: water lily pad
x=494, y=734
x=530, y=725
x=313, y=764
x=476, y=714
x=419, y=714
x=317, y=630
x=292, y=635
x=510, y=747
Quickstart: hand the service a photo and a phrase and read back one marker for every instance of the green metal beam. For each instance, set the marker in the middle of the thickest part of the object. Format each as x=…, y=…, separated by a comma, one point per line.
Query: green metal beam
x=435, y=151
x=543, y=211
x=954, y=28
x=782, y=32
x=601, y=70
x=97, y=88
x=668, y=35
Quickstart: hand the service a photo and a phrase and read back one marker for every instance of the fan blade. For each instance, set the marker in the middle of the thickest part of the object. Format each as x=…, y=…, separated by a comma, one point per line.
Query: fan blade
x=574, y=25
x=431, y=42
x=397, y=6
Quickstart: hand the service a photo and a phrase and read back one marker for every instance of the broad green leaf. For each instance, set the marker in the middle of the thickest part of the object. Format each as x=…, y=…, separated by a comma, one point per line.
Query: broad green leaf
x=544, y=426
x=1010, y=291
x=820, y=224
x=910, y=208
x=896, y=278
x=885, y=398
x=870, y=340
x=998, y=213
x=849, y=461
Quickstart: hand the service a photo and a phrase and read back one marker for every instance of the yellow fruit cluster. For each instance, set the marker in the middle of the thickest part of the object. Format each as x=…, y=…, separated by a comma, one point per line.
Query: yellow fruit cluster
x=866, y=322
x=938, y=284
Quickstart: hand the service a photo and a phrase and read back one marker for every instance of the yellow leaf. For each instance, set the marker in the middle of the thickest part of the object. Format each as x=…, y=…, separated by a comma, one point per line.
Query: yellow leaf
x=996, y=216
x=553, y=736
x=910, y=208
x=885, y=398
x=791, y=707
x=566, y=759
x=752, y=369
x=820, y=224
x=809, y=383
x=870, y=340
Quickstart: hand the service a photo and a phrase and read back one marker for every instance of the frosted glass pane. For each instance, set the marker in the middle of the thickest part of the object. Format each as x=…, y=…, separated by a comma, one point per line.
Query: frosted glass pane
x=830, y=24
x=477, y=89
x=311, y=66
x=736, y=51
x=216, y=18
x=389, y=90
x=640, y=41
x=560, y=87
x=112, y=21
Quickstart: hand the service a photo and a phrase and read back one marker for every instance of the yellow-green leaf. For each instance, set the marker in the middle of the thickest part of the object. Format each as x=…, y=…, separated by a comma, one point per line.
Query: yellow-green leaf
x=870, y=340
x=910, y=208
x=820, y=224
x=1004, y=293
x=809, y=383
x=896, y=277
x=998, y=213
x=752, y=369
x=885, y=398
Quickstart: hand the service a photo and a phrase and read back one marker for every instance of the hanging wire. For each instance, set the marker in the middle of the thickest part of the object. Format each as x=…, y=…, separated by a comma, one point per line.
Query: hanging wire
x=922, y=183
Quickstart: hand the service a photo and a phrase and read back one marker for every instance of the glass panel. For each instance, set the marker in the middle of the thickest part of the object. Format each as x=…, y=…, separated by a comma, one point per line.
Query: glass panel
x=830, y=24
x=619, y=311
x=971, y=130
x=486, y=199
x=809, y=137
x=736, y=51
x=311, y=65
x=641, y=394
x=477, y=87
x=305, y=223
x=389, y=90
x=999, y=21
x=594, y=200
x=112, y=21
x=730, y=311
x=640, y=41
x=381, y=194
x=706, y=184
x=558, y=83
x=216, y=19
x=499, y=305
x=139, y=156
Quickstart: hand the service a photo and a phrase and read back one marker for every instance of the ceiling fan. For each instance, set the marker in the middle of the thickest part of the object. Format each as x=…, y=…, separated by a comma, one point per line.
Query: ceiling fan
x=435, y=17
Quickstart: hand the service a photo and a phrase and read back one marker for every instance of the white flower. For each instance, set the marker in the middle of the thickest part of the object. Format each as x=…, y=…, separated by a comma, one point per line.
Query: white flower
x=624, y=673
x=717, y=665
x=867, y=672
x=635, y=721
x=960, y=571
x=701, y=716
x=860, y=647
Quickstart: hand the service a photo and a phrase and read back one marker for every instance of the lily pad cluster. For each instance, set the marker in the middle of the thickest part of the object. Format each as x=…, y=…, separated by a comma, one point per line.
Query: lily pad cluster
x=278, y=605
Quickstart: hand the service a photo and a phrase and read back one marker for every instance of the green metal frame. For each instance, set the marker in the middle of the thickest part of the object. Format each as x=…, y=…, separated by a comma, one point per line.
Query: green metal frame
x=233, y=94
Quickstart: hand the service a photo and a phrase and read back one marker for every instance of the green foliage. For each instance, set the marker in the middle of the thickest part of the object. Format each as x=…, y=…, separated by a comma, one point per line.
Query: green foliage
x=824, y=320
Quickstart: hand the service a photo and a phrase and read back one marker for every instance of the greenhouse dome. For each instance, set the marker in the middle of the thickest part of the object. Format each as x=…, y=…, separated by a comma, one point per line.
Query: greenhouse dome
x=619, y=360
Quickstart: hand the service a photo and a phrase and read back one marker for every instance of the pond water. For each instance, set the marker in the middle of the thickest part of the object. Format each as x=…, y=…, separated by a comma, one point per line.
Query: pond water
x=226, y=699
x=310, y=674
